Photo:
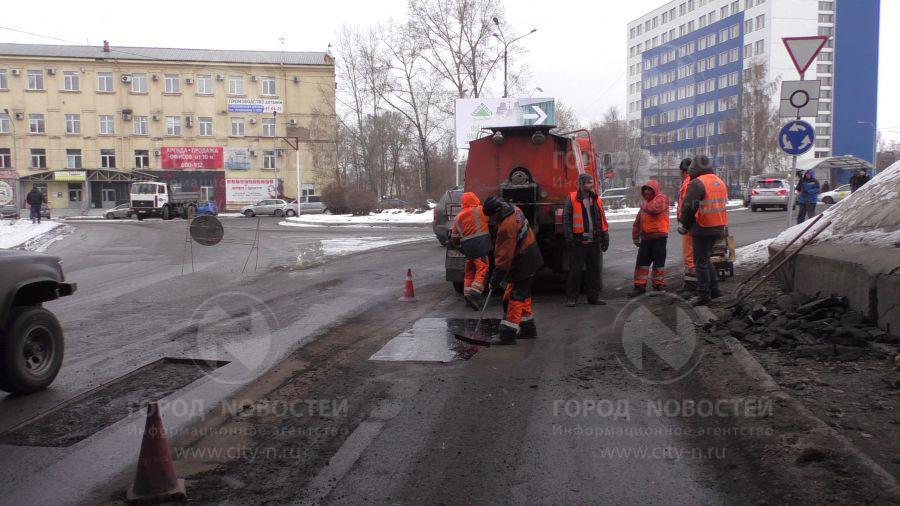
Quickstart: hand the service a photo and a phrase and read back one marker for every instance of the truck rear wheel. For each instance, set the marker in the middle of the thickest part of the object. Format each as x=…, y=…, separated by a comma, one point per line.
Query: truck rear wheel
x=31, y=350
x=166, y=213
x=189, y=212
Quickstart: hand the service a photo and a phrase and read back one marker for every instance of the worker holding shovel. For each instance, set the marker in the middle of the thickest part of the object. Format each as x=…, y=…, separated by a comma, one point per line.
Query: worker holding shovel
x=470, y=234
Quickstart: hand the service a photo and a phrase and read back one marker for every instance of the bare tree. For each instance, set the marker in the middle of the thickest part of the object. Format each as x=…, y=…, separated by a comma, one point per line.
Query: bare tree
x=566, y=119
x=758, y=121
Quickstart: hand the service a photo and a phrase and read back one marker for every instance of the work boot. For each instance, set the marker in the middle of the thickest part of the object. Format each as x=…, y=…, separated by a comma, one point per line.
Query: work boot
x=527, y=329
x=571, y=302
x=659, y=288
x=506, y=336
x=473, y=300
x=637, y=291
x=595, y=301
x=715, y=294
x=700, y=300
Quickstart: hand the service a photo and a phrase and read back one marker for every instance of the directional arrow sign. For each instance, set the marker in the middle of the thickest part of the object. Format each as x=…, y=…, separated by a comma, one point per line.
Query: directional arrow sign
x=538, y=116
x=803, y=50
x=796, y=137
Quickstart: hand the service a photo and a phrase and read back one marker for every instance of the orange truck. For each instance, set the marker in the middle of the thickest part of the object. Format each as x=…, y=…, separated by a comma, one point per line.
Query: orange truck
x=535, y=170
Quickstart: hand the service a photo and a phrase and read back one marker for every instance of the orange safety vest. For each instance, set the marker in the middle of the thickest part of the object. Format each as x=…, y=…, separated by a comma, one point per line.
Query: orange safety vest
x=471, y=224
x=712, y=207
x=655, y=223
x=578, y=214
x=681, y=193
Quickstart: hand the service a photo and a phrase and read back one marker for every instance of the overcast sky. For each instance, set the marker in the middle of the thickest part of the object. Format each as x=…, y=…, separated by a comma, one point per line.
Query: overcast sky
x=578, y=54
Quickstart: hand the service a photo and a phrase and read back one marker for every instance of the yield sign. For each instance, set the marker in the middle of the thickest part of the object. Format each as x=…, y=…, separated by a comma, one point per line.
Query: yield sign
x=803, y=50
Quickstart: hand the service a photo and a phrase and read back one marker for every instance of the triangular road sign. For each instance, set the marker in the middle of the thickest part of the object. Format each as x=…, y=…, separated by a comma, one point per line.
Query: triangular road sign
x=803, y=50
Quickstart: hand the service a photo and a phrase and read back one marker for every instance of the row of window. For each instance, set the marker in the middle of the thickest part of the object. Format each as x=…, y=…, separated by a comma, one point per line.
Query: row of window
x=172, y=83
x=689, y=90
x=107, y=158
x=685, y=134
x=688, y=7
x=728, y=103
x=140, y=125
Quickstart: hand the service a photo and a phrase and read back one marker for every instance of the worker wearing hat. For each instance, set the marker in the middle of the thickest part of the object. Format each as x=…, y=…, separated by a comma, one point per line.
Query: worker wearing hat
x=689, y=286
x=703, y=216
x=587, y=236
x=469, y=233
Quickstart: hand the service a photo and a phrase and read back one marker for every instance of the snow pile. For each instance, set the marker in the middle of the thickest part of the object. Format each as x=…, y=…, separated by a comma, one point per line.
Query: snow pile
x=756, y=253
x=388, y=216
x=870, y=216
x=18, y=232
x=339, y=247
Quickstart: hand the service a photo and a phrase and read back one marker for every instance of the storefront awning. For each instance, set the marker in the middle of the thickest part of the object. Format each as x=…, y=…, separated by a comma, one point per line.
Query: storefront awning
x=105, y=175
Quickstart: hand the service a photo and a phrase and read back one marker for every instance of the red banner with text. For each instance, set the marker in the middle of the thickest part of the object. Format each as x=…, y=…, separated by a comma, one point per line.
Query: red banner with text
x=192, y=157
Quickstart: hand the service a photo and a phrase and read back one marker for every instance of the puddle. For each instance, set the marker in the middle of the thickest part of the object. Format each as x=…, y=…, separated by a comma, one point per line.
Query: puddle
x=432, y=340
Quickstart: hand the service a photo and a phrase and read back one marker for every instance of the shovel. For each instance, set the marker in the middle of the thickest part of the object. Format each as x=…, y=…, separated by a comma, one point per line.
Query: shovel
x=471, y=340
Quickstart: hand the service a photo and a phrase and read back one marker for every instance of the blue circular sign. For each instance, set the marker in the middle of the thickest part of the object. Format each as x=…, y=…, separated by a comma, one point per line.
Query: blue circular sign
x=796, y=137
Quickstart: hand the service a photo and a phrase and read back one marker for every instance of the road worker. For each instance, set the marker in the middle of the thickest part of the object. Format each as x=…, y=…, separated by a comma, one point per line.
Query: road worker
x=587, y=236
x=650, y=234
x=470, y=234
x=517, y=258
x=689, y=285
x=703, y=216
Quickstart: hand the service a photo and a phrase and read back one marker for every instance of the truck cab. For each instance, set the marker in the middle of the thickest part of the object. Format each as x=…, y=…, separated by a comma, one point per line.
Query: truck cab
x=160, y=200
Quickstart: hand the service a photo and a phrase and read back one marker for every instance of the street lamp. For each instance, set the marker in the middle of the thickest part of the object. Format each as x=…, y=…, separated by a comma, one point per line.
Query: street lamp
x=506, y=44
x=874, y=143
x=536, y=89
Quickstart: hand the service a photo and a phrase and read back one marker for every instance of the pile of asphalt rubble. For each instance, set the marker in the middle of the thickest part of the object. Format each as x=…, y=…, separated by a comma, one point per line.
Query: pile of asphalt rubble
x=807, y=326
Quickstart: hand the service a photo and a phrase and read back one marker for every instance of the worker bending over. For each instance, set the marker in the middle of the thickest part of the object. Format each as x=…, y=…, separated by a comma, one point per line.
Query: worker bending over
x=470, y=234
x=650, y=234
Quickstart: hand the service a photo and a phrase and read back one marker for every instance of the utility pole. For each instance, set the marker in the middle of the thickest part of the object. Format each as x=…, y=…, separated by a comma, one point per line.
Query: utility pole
x=13, y=165
x=502, y=38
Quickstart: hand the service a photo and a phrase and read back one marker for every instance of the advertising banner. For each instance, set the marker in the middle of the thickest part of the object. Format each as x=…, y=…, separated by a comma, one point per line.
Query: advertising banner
x=237, y=158
x=473, y=114
x=6, y=193
x=192, y=157
x=70, y=175
x=249, y=191
x=256, y=105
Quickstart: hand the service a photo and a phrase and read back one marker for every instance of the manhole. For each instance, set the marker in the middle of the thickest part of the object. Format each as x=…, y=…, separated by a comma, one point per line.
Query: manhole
x=93, y=411
x=432, y=340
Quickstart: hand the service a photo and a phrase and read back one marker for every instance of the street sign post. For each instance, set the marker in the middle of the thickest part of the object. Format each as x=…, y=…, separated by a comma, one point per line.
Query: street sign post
x=803, y=50
x=799, y=99
x=796, y=138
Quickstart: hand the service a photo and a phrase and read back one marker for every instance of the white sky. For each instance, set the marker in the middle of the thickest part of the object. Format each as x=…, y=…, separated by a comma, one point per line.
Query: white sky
x=578, y=53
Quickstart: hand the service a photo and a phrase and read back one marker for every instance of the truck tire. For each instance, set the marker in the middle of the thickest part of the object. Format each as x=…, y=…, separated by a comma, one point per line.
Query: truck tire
x=31, y=350
x=189, y=212
x=166, y=213
x=140, y=217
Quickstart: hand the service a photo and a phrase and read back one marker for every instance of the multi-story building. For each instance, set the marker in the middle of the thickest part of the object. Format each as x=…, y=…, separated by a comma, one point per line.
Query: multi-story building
x=689, y=62
x=83, y=122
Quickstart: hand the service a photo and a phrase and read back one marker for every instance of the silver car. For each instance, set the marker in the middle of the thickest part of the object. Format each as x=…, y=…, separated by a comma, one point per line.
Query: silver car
x=268, y=207
x=120, y=212
x=308, y=205
x=769, y=193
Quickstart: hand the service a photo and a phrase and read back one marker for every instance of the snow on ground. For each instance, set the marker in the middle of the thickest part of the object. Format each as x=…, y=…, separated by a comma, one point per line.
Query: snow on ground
x=390, y=216
x=339, y=247
x=756, y=253
x=18, y=232
x=870, y=216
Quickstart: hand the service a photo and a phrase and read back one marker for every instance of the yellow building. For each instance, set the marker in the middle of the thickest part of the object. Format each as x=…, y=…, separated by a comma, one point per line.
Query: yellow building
x=83, y=122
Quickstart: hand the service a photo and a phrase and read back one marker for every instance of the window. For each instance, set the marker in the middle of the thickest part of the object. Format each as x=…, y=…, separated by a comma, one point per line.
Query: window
x=735, y=7
x=237, y=127
x=105, y=82
x=107, y=124
x=702, y=21
x=73, y=158
x=139, y=83
x=236, y=85
x=173, y=83
x=35, y=80
x=826, y=18
x=826, y=30
x=824, y=56
x=140, y=125
x=204, y=85
x=823, y=69
x=269, y=159
x=173, y=125
x=108, y=158
x=70, y=81
x=735, y=31
x=760, y=21
x=824, y=106
x=39, y=158
x=734, y=54
x=823, y=130
x=268, y=127
x=73, y=123
x=4, y=84
x=4, y=123
x=823, y=118
x=5, y=158
x=141, y=159
x=206, y=126
x=826, y=6
x=748, y=26
x=823, y=143
x=36, y=123
x=760, y=47
x=748, y=51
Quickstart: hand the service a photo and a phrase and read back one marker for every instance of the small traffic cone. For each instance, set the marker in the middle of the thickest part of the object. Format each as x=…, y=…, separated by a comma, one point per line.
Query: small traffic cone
x=155, y=479
x=409, y=293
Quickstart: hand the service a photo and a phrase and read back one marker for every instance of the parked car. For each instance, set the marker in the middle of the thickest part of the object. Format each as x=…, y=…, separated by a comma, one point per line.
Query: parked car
x=207, y=208
x=9, y=212
x=392, y=203
x=311, y=204
x=268, y=207
x=836, y=195
x=31, y=338
x=769, y=193
x=753, y=181
x=615, y=198
x=444, y=212
x=120, y=212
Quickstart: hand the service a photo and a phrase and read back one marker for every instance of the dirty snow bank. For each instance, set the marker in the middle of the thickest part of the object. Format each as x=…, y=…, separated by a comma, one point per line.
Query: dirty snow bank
x=871, y=216
x=756, y=253
x=18, y=232
x=338, y=247
x=388, y=216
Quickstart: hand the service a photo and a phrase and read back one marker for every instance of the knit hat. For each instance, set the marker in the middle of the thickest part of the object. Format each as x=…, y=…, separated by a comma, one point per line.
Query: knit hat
x=492, y=205
x=584, y=178
x=685, y=165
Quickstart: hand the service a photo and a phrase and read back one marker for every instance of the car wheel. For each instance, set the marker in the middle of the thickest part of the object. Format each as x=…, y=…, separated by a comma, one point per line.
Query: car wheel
x=290, y=213
x=828, y=200
x=31, y=350
x=248, y=213
x=140, y=217
x=110, y=216
x=279, y=213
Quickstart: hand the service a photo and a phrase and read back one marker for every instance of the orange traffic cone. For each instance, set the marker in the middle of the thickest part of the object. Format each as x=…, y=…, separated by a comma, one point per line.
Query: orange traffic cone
x=155, y=479
x=409, y=293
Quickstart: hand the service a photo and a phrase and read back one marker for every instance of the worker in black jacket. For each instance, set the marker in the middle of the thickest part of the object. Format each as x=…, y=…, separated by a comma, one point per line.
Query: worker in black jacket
x=703, y=216
x=35, y=200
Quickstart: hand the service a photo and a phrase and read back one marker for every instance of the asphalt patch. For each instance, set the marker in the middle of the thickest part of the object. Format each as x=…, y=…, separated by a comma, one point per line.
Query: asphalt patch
x=434, y=340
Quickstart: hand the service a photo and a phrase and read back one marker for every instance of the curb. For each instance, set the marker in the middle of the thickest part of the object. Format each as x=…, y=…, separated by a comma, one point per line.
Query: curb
x=756, y=372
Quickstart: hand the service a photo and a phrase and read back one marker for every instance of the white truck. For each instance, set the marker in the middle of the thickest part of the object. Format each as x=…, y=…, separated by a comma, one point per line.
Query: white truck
x=161, y=200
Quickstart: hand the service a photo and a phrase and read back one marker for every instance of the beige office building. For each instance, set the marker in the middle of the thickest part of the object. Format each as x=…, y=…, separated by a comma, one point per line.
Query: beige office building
x=84, y=122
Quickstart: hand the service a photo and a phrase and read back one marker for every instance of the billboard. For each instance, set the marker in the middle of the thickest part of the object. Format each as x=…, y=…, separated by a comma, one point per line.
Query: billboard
x=70, y=175
x=473, y=114
x=237, y=158
x=192, y=157
x=256, y=105
x=249, y=191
